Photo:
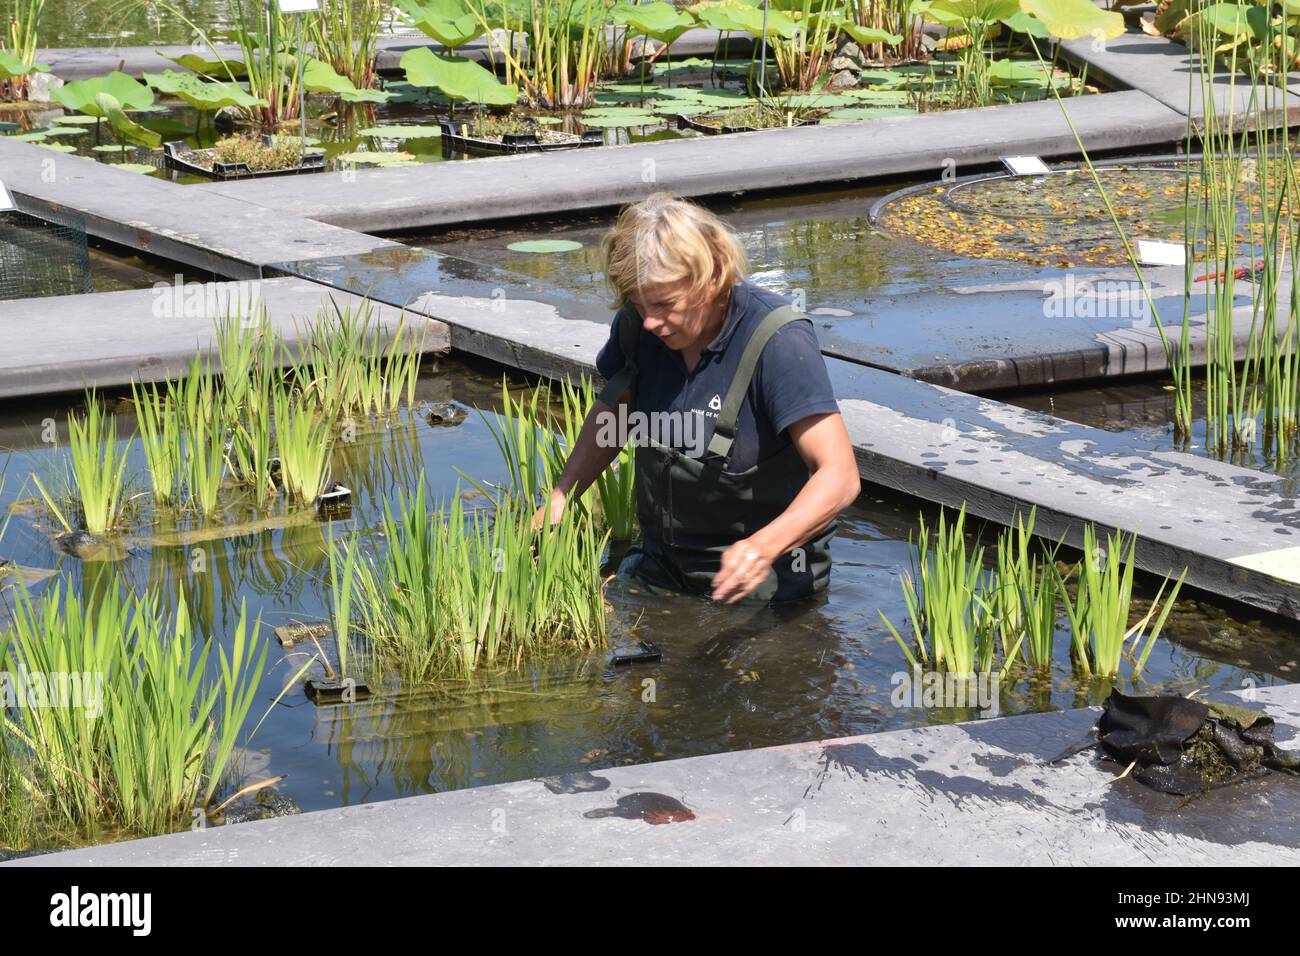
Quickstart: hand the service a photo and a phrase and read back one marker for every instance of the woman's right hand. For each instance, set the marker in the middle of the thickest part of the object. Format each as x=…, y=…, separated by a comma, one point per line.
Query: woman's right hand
x=551, y=512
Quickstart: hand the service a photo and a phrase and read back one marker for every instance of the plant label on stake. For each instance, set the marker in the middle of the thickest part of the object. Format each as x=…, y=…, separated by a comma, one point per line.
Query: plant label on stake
x=297, y=7
x=1025, y=165
x=1157, y=252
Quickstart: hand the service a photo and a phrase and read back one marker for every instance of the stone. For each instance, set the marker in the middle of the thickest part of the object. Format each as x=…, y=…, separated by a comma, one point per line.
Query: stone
x=40, y=85
x=843, y=80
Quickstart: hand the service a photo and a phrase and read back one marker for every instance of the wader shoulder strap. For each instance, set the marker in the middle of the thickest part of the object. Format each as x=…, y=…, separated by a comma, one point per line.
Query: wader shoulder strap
x=724, y=430
x=628, y=321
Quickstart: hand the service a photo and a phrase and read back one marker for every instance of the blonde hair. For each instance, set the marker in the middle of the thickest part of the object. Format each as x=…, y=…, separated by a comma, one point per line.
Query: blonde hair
x=664, y=239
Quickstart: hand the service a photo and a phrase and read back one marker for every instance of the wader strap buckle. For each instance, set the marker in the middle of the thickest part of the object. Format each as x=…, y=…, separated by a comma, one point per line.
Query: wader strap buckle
x=724, y=429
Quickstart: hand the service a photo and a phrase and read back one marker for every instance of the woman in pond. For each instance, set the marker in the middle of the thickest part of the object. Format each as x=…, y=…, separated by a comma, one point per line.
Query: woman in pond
x=742, y=458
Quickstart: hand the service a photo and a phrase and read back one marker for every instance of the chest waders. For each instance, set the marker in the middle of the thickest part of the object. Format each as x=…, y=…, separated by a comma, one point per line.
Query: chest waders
x=692, y=509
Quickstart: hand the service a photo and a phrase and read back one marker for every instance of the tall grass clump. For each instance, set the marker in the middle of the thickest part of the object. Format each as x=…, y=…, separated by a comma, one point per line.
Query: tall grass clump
x=97, y=462
x=563, y=50
x=159, y=429
x=1100, y=614
x=458, y=590
x=203, y=442
x=141, y=735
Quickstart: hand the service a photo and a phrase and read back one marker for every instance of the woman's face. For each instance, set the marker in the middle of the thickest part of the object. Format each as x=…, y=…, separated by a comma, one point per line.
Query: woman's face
x=668, y=312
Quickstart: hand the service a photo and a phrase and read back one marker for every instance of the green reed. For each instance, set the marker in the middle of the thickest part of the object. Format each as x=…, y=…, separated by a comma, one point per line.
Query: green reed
x=1100, y=614
x=616, y=485
x=149, y=737
x=98, y=468
x=21, y=37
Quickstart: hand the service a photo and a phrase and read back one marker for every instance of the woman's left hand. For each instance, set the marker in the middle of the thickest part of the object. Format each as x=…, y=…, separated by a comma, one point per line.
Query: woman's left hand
x=745, y=565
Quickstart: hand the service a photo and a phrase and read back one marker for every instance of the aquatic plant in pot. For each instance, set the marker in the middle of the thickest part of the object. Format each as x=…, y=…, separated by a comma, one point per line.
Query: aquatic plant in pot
x=244, y=156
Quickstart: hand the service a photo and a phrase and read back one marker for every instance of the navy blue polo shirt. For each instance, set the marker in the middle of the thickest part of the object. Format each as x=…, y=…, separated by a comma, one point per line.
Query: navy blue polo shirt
x=789, y=383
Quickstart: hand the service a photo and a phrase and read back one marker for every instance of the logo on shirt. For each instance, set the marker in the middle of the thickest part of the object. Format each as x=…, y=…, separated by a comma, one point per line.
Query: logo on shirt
x=715, y=402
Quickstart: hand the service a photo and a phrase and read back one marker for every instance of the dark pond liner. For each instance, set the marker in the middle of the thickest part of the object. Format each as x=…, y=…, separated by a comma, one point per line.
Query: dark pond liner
x=686, y=122
x=9, y=127
x=175, y=154
x=511, y=143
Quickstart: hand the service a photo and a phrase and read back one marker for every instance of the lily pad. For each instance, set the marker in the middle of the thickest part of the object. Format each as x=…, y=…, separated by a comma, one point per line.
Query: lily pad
x=142, y=168
x=621, y=120
x=853, y=114
x=66, y=131
x=77, y=119
x=401, y=132
x=377, y=158
x=544, y=245
x=57, y=147
x=319, y=77
x=199, y=93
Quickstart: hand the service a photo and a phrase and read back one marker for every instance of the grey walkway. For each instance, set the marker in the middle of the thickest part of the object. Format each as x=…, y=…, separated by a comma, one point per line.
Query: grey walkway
x=977, y=793
x=220, y=234
x=417, y=197
x=153, y=334
x=1237, y=531
x=1167, y=72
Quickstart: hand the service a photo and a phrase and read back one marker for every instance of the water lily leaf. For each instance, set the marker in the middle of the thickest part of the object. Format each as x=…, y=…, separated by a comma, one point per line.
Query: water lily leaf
x=1236, y=20
x=658, y=20
x=80, y=95
x=1018, y=71
x=880, y=97
x=737, y=17
x=544, y=245
x=814, y=100
x=988, y=11
x=205, y=95
x=222, y=69
x=12, y=66
x=865, y=36
x=682, y=108
x=447, y=21
x=57, y=147
x=401, y=132
x=457, y=77
x=1071, y=19
x=319, y=77
x=1022, y=22
x=32, y=136
x=66, y=131
x=124, y=128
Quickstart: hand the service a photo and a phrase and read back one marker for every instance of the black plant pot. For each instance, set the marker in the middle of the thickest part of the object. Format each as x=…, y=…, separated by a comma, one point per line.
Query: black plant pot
x=177, y=153
x=454, y=140
x=325, y=691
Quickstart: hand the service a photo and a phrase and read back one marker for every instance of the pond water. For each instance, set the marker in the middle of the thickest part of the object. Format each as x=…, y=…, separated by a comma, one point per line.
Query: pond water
x=729, y=678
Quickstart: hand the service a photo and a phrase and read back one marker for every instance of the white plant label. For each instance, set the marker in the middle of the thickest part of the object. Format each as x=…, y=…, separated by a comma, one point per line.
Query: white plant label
x=1025, y=165
x=1157, y=252
x=299, y=6
x=6, y=201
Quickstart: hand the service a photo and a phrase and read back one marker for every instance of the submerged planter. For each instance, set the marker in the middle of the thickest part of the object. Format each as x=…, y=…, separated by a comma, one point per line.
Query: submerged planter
x=687, y=122
x=456, y=138
x=334, y=502
x=182, y=157
x=290, y=634
x=347, y=690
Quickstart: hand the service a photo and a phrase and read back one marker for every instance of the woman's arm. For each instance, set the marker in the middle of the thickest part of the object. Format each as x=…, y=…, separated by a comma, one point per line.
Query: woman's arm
x=587, y=459
x=823, y=443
